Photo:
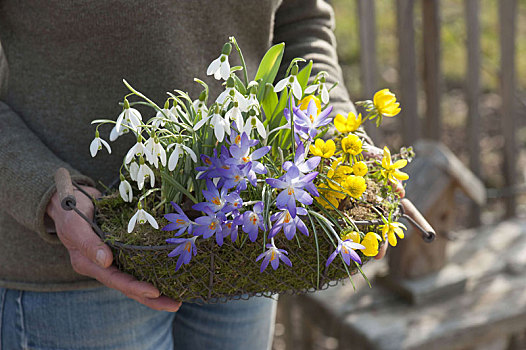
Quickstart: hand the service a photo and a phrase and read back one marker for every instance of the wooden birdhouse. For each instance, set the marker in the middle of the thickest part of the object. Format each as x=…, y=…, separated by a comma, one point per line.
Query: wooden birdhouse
x=435, y=174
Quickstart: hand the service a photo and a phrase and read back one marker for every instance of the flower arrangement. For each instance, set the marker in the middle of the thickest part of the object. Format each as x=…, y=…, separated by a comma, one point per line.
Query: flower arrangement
x=254, y=169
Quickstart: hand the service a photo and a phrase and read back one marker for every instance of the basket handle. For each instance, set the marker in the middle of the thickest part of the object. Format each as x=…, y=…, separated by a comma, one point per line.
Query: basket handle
x=411, y=213
x=68, y=200
x=65, y=189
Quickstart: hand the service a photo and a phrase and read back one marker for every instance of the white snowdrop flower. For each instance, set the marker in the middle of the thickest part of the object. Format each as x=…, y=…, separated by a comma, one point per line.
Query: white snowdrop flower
x=253, y=103
x=253, y=121
x=96, y=145
x=235, y=114
x=200, y=107
x=220, y=67
x=221, y=126
x=134, y=170
x=231, y=94
x=202, y=122
x=321, y=88
x=217, y=122
x=157, y=151
x=174, y=157
x=143, y=174
x=141, y=217
x=114, y=134
x=161, y=116
x=125, y=190
x=291, y=82
x=129, y=117
x=138, y=150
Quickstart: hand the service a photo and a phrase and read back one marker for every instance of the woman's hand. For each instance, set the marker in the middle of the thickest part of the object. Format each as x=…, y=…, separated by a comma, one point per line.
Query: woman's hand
x=89, y=256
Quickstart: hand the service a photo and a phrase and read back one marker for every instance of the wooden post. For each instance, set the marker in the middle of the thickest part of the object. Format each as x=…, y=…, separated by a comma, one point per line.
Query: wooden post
x=367, y=29
x=507, y=19
x=407, y=64
x=472, y=10
x=432, y=80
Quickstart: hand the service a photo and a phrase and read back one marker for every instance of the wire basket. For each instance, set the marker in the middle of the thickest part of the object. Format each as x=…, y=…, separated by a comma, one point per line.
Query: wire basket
x=230, y=272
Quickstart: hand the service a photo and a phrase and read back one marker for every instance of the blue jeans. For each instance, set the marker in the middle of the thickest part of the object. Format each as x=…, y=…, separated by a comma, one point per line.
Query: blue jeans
x=104, y=319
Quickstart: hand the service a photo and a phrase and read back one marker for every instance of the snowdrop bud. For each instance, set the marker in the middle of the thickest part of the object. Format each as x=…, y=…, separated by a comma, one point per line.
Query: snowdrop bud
x=167, y=104
x=254, y=89
x=227, y=48
x=141, y=160
x=294, y=69
x=126, y=104
x=203, y=96
x=230, y=83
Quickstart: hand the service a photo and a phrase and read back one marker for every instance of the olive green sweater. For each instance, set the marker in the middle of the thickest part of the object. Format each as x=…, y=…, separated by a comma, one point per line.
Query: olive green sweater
x=62, y=66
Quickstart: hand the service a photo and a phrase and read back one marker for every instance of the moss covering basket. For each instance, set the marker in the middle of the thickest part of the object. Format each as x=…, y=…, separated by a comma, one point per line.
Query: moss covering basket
x=219, y=274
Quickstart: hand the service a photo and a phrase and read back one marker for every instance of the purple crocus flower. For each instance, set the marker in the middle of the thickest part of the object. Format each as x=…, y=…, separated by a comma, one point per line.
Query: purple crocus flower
x=235, y=139
x=304, y=166
x=210, y=224
x=273, y=255
x=231, y=227
x=299, y=130
x=241, y=154
x=346, y=249
x=283, y=220
x=253, y=221
x=235, y=176
x=209, y=170
x=310, y=120
x=216, y=199
x=185, y=249
x=292, y=185
x=178, y=221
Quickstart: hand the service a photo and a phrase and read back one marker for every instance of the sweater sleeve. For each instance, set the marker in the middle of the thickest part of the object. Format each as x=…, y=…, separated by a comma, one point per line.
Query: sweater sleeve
x=28, y=166
x=306, y=27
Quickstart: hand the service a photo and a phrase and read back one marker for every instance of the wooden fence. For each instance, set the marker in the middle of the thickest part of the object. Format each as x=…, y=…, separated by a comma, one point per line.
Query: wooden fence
x=429, y=126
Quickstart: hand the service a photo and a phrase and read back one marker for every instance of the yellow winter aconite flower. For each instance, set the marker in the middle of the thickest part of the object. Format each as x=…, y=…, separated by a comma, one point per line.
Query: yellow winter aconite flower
x=323, y=149
x=385, y=103
x=354, y=186
x=370, y=242
x=352, y=144
x=337, y=173
x=353, y=235
x=349, y=124
x=304, y=103
x=390, y=171
x=393, y=229
x=359, y=168
x=328, y=198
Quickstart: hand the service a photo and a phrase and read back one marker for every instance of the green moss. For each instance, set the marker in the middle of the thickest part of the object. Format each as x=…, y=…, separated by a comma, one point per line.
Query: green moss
x=218, y=273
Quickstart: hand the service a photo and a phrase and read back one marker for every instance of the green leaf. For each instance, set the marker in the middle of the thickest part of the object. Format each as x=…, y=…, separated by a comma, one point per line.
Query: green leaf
x=269, y=66
x=239, y=85
x=304, y=75
x=269, y=103
x=177, y=185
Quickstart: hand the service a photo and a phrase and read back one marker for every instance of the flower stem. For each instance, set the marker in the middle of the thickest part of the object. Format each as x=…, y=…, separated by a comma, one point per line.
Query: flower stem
x=245, y=75
x=292, y=126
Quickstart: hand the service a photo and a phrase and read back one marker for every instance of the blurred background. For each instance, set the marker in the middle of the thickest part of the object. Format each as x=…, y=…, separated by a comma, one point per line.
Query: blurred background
x=458, y=69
